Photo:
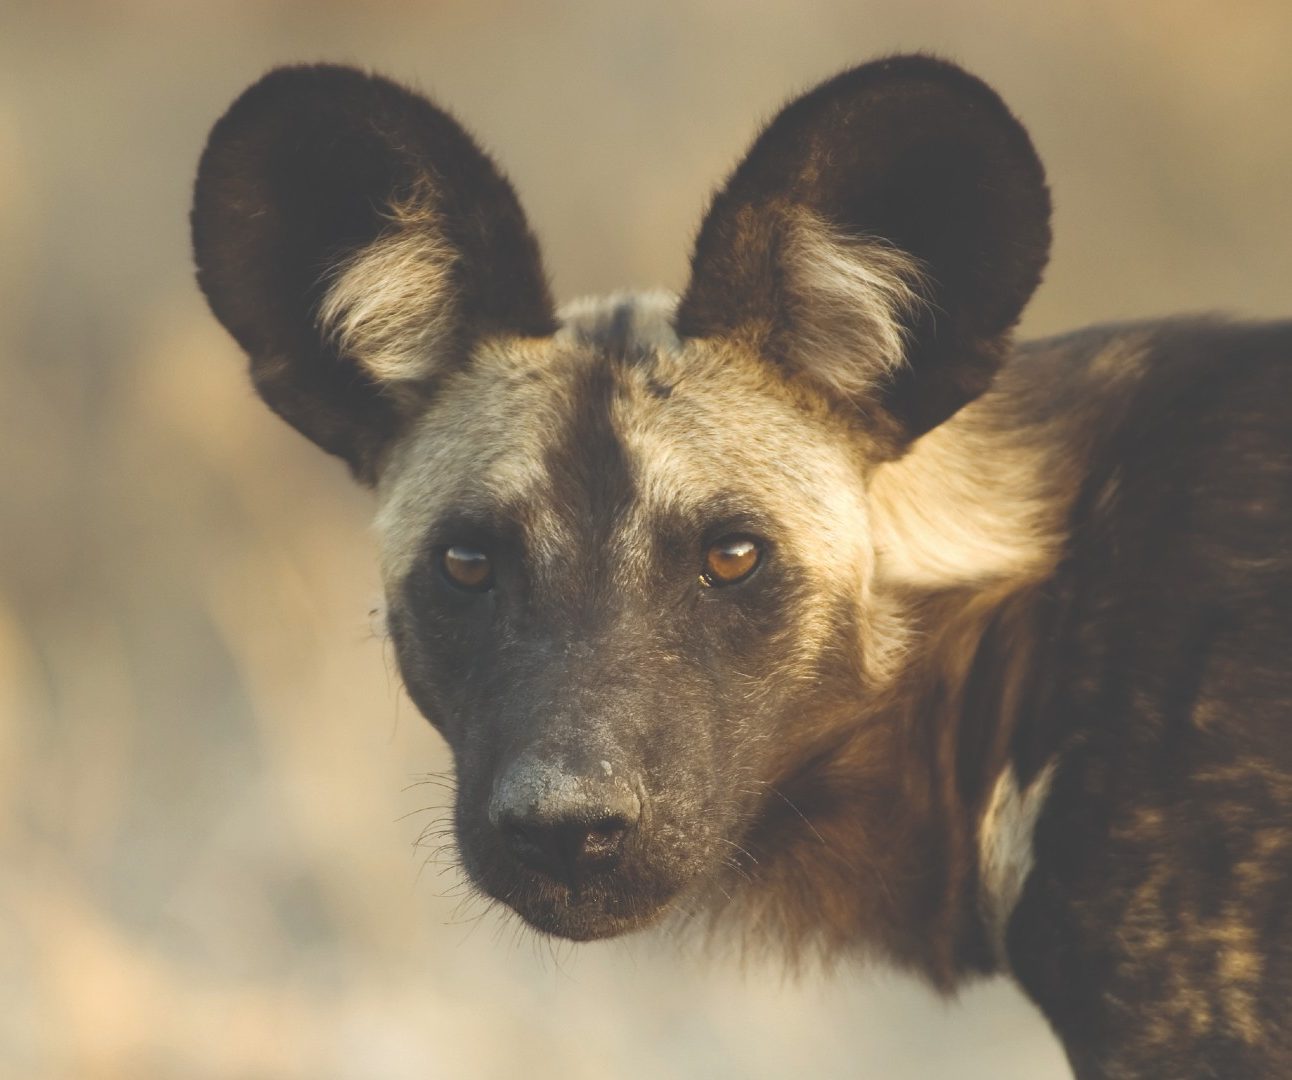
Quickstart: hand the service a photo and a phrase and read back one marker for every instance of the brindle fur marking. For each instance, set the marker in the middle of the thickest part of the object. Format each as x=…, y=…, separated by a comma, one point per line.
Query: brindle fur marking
x=1009, y=690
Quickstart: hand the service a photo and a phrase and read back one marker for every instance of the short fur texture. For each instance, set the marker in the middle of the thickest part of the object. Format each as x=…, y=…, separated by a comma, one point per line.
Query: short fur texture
x=1006, y=687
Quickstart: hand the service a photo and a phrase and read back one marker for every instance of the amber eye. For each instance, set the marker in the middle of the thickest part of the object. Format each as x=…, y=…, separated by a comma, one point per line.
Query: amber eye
x=467, y=568
x=731, y=559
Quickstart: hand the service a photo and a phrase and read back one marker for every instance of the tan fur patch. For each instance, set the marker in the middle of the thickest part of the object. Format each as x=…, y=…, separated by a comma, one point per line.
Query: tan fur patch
x=969, y=504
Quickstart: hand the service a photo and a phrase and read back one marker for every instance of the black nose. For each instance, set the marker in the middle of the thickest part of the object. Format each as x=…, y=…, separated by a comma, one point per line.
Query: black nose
x=564, y=826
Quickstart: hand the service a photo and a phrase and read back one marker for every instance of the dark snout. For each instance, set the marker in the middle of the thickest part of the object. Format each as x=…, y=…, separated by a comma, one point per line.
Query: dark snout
x=568, y=822
x=589, y=822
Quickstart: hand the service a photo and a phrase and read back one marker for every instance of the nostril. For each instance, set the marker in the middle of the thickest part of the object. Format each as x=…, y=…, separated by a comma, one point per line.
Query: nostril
x=527, y=844
x=567, y=850
x=604, y=841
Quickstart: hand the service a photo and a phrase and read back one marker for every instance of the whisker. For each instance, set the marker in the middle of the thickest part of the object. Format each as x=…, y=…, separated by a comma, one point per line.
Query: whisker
x=748, y=855
x=802, y=816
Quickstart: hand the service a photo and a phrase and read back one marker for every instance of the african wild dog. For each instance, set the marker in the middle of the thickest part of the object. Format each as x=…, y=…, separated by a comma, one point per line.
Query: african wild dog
x=808, y=587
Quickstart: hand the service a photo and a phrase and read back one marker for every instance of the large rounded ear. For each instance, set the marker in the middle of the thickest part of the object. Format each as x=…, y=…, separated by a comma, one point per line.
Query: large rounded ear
x=356, y=242
x=880, y=239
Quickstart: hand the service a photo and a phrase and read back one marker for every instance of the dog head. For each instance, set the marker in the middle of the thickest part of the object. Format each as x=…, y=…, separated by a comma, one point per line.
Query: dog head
x=625, y=545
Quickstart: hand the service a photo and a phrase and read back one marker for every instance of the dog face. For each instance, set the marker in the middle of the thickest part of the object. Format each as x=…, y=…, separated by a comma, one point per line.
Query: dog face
x=625, y=547
x=617, y=567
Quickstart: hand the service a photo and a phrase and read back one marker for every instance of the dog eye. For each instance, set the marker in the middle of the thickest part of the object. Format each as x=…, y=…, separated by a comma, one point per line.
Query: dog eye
x=466, y=568
x=731, y=559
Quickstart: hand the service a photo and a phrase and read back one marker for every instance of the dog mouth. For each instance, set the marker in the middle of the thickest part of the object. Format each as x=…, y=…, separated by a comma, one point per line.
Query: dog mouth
x=603, y=906
x=587, y=914
x=594, y=901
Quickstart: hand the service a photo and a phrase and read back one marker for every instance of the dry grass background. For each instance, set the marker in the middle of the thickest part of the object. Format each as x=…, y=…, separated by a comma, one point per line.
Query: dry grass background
x=206, y=820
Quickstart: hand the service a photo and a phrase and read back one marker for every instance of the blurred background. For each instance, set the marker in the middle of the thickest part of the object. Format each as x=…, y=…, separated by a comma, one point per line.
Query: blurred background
x=210, y=797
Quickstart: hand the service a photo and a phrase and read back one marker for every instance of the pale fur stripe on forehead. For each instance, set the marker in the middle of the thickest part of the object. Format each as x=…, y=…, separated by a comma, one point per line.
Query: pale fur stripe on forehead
x=851, y=299
x=390, y=306
x=648, y=317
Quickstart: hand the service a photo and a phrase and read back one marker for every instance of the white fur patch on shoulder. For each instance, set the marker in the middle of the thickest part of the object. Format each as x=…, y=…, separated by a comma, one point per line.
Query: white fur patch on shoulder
x=390, y=307
x=850, y=301
x=1005, y=849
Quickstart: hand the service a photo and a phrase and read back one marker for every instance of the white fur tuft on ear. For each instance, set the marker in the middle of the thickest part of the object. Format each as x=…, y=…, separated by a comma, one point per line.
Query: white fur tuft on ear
x=391, y=306
x=849, y=301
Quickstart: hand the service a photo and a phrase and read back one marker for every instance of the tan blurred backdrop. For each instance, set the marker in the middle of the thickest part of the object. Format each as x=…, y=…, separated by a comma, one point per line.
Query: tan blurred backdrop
x=209, y=804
